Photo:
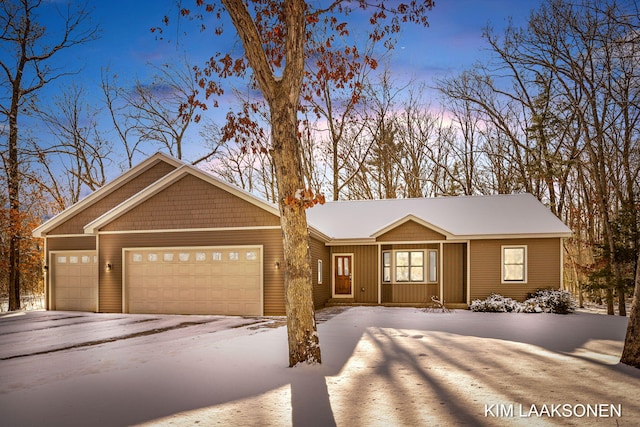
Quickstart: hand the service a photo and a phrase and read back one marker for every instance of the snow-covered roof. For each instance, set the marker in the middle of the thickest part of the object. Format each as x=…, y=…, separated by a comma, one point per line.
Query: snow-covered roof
x=456, y=217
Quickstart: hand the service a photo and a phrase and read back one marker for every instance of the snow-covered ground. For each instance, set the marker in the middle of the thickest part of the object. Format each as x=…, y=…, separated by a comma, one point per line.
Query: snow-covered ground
x=381, y=367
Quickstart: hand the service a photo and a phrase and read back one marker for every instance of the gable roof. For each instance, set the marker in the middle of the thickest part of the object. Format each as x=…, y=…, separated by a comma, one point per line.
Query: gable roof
x=166, y=181
x=460, y=217
x=102, y=192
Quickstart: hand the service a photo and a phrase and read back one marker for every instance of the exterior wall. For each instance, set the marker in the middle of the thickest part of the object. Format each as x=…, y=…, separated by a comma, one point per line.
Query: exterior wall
x=75, y=224
x=543, y=267
x=365, y=271
x=454, y=274
x=410, y=231
x=321, y=291
x=192, y=203
x=411, y=293
x=72, y=243
x=111, y=245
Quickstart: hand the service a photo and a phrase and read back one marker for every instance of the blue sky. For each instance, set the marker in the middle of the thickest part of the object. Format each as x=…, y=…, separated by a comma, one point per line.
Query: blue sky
x=449, y=45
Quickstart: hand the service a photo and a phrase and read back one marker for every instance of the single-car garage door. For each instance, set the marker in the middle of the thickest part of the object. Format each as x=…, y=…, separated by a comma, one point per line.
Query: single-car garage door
x=74, y=280
x=214, y=280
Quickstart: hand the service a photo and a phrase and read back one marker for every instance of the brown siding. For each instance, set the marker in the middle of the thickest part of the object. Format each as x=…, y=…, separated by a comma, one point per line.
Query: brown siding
x=454, y=273
x=75, y=243
x=192, y=203
x=409, y=293
x=111, y=251
x=321, y=292
x=543, y=264
x=365, y=271
x=410, y=231
x=75, y=224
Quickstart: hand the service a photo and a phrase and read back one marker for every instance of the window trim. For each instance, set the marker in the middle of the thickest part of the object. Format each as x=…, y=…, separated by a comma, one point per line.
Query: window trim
x=525, y=264
x=395, y=266
x=320, y=272
x=436, y=266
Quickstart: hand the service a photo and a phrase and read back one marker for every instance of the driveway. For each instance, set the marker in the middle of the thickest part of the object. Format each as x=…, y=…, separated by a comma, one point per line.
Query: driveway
x=381, y=367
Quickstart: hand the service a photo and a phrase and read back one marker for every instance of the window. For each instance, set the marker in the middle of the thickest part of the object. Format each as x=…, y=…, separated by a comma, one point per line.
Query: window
x=320, y=272
x=251, y=256
x=234, y=256
x=73, y=259
x=136, y=257
x=514, y=264
x=386, y=267
x=167, y=257
x=152, y=257
x=183, y=256
x=201, y=256
x=409, y=266
x=433, y=266
x=216, y=256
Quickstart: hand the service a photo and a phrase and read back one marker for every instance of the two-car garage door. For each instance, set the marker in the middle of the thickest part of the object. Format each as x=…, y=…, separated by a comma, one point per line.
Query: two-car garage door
x=211, y=280
x=74, y=280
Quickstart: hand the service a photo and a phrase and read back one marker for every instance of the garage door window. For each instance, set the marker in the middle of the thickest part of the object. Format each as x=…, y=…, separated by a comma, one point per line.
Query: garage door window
x=217, y=256
x=152, y=257
x=201, y=256
x=183, y=256
x=86, y=259
x=234, y=256
x=136, y=257
x=167, y=257
x=62, y=260
x=73, y=260
x=252, y=256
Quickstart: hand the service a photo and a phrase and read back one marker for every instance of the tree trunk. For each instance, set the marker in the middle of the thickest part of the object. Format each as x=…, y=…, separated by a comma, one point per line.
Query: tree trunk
x=13, y=183
x=282, y=93
x=631, y=351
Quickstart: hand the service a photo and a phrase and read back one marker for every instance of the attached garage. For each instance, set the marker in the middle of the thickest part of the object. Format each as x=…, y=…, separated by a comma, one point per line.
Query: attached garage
x=74, y=280
x=202, y=280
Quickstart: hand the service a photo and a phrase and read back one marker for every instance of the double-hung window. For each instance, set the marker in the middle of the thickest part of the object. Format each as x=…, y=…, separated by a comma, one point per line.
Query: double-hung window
x=514, y=264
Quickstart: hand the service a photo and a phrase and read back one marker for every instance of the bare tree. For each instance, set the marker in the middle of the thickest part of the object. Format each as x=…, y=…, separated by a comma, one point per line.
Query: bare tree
x=24, y=72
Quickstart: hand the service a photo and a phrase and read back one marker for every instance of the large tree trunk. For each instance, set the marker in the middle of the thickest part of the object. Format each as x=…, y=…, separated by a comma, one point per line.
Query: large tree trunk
x=283, y=96
x=13, y=183
x=631, y=351
x=301, y=326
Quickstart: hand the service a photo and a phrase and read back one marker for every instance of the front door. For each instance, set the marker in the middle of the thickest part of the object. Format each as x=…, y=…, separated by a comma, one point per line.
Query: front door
x=343, y=271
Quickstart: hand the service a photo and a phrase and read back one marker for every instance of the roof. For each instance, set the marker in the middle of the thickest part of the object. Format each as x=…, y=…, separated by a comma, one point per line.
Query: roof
x=461, y=217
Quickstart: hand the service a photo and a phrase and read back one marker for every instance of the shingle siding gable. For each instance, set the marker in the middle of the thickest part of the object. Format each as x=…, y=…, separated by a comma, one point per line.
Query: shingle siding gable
x=192, y=203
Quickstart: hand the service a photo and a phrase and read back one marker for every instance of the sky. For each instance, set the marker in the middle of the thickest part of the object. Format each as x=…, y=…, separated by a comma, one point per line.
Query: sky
x=127, y=47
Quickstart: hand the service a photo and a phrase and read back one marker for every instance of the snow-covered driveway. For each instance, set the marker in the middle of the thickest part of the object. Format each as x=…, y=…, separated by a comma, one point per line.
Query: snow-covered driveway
x=382, y=366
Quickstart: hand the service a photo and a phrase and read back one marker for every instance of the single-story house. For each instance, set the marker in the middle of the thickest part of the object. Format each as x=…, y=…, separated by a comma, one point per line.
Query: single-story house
x=167, y=237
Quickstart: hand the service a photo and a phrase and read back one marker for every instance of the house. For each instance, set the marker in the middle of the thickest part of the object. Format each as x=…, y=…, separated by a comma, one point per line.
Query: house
x=166, y=237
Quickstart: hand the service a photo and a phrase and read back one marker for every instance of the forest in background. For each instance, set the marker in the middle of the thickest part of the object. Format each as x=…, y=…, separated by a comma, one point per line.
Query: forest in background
x=554, y=112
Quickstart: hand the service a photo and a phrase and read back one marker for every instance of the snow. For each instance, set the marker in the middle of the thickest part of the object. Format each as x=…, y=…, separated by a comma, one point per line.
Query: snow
x=381, y=366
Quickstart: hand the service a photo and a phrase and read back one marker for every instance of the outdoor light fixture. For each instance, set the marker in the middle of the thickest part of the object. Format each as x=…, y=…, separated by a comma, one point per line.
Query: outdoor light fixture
x=108, y=267
x=46, y=268
x=277, y=265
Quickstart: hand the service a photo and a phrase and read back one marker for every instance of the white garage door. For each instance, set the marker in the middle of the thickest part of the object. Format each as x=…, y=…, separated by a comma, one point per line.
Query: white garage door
x=212, y=280
x=74, y=280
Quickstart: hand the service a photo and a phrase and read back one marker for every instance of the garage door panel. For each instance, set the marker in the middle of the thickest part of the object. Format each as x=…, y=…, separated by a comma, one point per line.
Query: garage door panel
x=74, y=280
x=194, y=281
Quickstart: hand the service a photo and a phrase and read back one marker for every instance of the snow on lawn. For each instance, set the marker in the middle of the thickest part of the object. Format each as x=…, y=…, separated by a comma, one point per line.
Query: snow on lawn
x=381, y=367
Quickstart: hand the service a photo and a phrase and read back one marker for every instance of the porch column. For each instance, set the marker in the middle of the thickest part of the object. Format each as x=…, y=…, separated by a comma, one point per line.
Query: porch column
x=441, y=269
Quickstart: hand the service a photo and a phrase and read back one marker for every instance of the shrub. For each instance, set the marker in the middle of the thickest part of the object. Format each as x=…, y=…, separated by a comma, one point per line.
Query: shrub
x=495, y=304
x=541, y=301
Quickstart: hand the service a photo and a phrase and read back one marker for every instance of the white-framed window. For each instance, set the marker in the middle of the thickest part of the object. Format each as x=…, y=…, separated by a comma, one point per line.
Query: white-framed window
x=152, y=257
x=433, y=266
x=320, y=272
x=234, y=256
x=184, y=256
x=514, y=264
x=73, y=259
x=251, y=256
x=216, y=256
x=167, y=257
x=86, y=259
x=136, y=257
x=409, y=266
x=386, y=267
x=201, y=256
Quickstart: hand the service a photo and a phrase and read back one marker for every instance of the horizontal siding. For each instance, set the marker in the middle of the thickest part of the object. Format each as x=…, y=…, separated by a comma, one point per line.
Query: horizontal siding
x=321, y=292
x=543, y=263
x=75, y=224
x=410, y=231
x=111, y=252
x=365, y=271
x=192, y=203
x=75, y=243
